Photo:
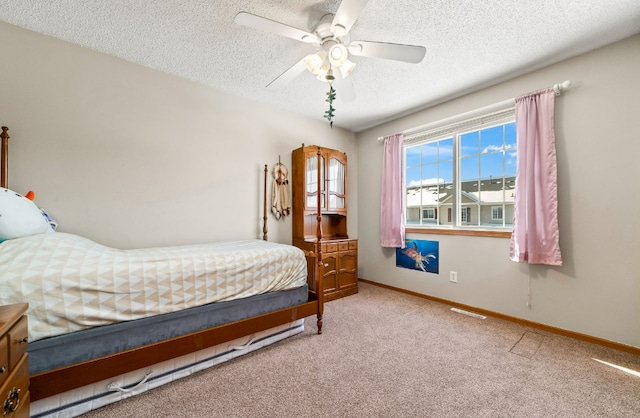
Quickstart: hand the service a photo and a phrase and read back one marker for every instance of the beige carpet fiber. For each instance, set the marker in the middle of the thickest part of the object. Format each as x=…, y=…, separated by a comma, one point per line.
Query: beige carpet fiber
x=388, y=354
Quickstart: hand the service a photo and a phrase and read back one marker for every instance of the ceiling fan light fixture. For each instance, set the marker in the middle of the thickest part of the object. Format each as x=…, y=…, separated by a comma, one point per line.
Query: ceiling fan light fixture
x=338, y=55
x=346, y=68
x=315, y=62
x=322, y=72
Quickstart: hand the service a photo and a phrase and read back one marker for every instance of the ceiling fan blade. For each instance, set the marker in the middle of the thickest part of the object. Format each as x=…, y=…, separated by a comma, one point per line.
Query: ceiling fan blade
x=398, y=52
x=344, y=88
x=268, y=25
x=286, y=77
x=347, y=14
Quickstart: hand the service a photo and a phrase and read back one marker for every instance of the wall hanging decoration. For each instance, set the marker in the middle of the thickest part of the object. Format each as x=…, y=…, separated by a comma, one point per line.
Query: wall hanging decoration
x=331, y=96
x=280, y=198
x=419, y=255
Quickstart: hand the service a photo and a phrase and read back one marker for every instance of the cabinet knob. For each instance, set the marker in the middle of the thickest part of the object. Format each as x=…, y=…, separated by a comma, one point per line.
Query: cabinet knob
x=24, y=340
x=3, y=369
x=326, y=264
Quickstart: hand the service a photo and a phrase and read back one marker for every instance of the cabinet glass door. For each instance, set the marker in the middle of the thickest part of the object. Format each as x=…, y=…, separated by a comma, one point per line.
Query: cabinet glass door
x=312, y=181
x=335, y=184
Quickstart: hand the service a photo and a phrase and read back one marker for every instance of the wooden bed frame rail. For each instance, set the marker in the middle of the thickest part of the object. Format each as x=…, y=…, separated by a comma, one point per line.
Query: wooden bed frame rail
x=71, y=377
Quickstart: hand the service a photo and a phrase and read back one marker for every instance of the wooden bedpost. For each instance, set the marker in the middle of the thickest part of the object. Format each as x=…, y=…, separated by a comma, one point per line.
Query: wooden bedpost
x=319, y=276
x=264, y=217
x=4, y=155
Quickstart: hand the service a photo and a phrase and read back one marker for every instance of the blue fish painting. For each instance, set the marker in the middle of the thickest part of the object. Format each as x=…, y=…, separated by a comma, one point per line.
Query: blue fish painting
x=418, y=255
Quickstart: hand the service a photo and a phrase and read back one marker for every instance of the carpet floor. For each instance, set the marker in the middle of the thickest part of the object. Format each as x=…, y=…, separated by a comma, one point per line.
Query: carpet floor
x=388, y=354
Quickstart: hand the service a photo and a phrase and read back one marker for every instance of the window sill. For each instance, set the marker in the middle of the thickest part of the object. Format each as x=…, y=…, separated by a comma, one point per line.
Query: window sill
x=468, y=232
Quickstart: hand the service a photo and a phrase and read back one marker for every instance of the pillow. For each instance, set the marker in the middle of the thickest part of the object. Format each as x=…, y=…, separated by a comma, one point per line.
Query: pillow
x=19, y=216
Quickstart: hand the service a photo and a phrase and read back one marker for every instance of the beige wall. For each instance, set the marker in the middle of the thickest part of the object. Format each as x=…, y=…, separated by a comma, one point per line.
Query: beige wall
x=597, y=291
x=132, y=157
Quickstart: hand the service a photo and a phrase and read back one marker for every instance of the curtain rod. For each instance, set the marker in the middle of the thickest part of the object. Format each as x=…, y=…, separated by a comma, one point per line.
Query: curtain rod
x=557, y=88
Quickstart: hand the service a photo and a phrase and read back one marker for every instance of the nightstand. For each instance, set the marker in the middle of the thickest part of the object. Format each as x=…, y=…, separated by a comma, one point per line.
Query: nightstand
x=14, y=364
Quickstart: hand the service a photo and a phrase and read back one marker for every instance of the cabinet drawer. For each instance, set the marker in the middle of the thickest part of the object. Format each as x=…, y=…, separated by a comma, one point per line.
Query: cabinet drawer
x=17, y=385
x=331, y=248
x=17, y=341
x=353, y=245
x=4, y=360
x=343, y=246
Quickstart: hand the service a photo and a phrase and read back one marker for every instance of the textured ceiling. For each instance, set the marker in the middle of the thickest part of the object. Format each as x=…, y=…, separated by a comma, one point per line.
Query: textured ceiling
x=470, y=44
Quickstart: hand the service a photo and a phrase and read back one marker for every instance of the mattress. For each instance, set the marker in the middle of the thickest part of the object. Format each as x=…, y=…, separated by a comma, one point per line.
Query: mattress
x=72, y=283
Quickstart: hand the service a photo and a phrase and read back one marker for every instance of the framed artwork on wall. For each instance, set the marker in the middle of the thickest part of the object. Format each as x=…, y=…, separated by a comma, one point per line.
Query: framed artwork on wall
x=419, y=255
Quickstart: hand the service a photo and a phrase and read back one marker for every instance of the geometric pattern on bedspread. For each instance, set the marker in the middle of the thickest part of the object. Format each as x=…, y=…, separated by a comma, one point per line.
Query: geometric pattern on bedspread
x=72, y=283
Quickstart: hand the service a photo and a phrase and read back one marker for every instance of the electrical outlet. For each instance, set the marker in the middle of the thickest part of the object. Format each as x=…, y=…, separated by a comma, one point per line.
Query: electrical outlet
x=453, y=276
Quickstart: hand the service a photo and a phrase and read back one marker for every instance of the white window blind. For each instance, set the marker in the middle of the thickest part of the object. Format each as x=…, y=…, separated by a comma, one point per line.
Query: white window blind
x=442, y=131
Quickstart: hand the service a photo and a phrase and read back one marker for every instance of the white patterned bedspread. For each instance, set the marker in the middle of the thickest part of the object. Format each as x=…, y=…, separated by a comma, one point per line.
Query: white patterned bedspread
x=72, y=283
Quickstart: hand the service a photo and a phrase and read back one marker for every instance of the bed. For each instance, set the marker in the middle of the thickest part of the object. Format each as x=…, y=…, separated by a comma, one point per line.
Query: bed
x=171, y=324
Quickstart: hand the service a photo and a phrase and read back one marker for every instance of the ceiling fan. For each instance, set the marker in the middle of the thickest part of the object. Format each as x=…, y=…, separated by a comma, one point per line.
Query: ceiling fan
x=330, y=38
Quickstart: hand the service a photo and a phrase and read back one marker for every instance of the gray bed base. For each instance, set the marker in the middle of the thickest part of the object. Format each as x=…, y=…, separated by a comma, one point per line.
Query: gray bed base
x=63, y=350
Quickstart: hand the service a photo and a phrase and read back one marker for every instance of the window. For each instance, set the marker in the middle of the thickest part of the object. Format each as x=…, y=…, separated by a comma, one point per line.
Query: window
x=467, y=169
x=429, y=214
x=465, y=216
x=496, y=213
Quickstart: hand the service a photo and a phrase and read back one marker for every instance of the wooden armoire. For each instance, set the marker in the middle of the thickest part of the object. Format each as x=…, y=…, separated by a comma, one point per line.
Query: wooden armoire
x=339, y=252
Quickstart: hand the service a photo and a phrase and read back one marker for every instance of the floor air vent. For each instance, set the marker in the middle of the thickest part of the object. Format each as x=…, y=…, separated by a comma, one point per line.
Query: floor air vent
x=473, y=314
